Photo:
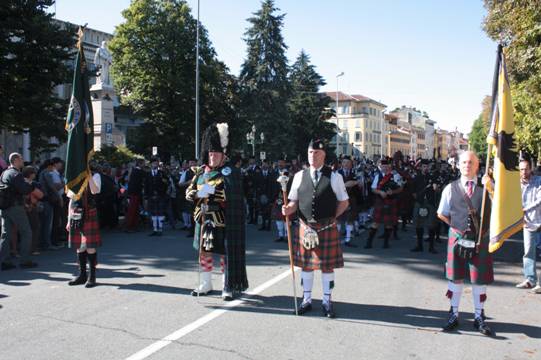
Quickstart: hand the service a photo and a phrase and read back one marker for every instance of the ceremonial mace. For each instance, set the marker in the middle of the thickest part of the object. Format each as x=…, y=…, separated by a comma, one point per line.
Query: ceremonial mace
x=283, y=180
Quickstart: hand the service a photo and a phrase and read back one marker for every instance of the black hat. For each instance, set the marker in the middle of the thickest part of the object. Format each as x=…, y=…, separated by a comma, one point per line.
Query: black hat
x=316, y=144
x=154, y=158
x=424, y=162
x=215, y=139
x=384, y=161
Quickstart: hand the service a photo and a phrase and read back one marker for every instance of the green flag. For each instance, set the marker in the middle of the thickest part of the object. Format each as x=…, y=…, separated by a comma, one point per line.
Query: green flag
x=80, y=127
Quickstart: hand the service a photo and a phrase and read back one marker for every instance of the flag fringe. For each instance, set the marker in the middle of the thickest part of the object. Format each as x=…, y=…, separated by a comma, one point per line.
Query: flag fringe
x=497, y=241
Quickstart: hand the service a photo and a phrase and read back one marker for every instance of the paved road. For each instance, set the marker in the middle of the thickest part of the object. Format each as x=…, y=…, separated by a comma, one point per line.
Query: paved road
x=390, y=305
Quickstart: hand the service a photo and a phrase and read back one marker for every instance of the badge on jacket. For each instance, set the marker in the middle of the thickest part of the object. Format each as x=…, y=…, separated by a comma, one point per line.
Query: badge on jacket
x=226, y=171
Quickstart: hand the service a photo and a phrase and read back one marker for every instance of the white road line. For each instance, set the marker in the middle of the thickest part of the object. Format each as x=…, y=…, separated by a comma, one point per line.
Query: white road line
x=160, y=344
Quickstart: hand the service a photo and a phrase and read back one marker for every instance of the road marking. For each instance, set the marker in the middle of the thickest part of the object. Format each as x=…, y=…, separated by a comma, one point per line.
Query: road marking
x=160, y=344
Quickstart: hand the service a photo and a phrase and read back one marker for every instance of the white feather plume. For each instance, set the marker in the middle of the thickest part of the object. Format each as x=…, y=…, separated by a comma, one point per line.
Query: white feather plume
x=223, y=130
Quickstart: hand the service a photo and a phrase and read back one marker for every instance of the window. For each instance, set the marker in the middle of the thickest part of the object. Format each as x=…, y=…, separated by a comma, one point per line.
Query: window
x=358, y=136
x=365, y=111
x=345, y=109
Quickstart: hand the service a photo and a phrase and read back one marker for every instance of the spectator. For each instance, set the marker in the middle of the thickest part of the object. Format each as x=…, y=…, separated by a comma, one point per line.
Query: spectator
x=3, y=163
x=59, y=214
x=531, y=204
x=135, y=193
x=48, y=202
x=13, y=214
x=32, y=204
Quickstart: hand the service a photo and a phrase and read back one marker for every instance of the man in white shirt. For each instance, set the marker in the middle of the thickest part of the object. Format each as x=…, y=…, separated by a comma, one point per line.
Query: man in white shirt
x=320, y=196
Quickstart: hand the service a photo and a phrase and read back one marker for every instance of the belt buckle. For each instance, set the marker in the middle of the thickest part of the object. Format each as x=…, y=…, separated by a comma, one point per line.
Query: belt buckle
x=312, y=221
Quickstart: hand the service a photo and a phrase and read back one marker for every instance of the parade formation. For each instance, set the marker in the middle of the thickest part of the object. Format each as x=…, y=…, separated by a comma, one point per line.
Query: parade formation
x=245, y=181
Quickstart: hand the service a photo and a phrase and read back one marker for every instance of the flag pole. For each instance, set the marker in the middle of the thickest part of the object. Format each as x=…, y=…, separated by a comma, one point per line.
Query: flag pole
x=493, y=113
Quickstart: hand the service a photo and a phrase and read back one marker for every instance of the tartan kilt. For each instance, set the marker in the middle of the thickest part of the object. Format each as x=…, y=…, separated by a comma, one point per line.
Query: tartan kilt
x=157, y=205
x=429, y=221
x=481, y=266
x=386, y=211
x=90, y=234
x=326, y=257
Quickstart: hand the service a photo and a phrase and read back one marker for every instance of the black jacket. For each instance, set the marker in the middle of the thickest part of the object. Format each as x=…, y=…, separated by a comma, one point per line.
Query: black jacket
x=19, y=187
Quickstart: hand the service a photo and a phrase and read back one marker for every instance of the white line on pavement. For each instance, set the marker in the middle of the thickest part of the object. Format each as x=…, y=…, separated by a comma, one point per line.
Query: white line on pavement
x=160, y=344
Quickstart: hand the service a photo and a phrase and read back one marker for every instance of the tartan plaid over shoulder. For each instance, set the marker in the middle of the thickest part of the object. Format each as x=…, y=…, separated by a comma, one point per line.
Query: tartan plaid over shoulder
x=235, y=229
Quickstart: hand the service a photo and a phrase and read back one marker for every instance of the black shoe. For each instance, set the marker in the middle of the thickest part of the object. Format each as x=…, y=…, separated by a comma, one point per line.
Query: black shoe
x=480, y=325
x=432, y=250
x=349, y=244
x=261, y=229
x=79, y=280
x=280, y=239
x=159, y=233
x=452, y=322
x=154, y=233
x=7, y=266
x=417, y=249
x=28, y=265
x=328, y=311
x=304, y=308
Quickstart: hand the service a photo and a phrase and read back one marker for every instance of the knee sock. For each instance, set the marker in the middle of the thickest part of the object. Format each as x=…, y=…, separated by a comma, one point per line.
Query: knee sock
x=186, y=219
x=222, y=264
x=327, y=280
x=307, y=281
x=454, y=292
x=160, y=223
x=155, y=223
x=338, y=227
x=206, y=263
x=281, y=226
x=479, y=297
x=349, y=230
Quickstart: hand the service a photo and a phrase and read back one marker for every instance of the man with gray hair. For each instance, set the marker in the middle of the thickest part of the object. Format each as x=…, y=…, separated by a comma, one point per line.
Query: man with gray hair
x=14, y=187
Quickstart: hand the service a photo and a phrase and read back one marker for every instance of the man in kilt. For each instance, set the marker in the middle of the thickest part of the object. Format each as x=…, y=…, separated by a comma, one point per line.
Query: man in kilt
x=455, y=209
x=84, y=231
x=321, y=197
x=216, y=189
x=385, y=187
x=424, y=211
x=156, y=186
x=349, y=217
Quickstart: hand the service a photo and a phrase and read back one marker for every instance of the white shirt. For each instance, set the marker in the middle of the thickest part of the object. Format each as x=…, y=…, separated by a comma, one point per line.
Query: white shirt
x=396, y=178
x=57, y=179
x=445, y=202
x=337, y=184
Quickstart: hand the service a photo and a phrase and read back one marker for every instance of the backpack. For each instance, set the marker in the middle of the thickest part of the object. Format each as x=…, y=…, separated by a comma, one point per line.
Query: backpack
x=6, y=195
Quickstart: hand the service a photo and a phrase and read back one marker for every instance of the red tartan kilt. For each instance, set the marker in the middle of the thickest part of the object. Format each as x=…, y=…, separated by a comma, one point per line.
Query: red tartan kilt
x=386, y=211
x=481, y=266
x=327, y=256
x=90, y=233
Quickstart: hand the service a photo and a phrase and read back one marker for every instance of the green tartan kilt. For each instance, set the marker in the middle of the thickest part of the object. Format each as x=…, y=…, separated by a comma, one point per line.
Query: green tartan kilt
x=326, y=257
x=481, y=266
x=218, y=242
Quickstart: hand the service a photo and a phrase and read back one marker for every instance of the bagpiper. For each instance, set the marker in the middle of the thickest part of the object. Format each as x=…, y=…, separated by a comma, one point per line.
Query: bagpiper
x=321, y=197
x=156, y=185
x=216, y=189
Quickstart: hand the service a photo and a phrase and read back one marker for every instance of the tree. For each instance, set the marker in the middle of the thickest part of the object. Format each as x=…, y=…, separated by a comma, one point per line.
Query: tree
x=265, y=88
x=478, y=135
x=35, y=55
x=154, y=71
x=516, y=24
x=307, y=107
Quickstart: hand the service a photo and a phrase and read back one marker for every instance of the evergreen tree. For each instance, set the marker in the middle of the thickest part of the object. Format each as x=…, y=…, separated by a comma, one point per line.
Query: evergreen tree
x=307, y=107
x=154, y=71
x=478, y=135
x=265, y=89
x=35, y=55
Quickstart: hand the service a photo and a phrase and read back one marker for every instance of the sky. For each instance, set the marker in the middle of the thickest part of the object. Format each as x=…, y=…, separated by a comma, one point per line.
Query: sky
x=432, y=55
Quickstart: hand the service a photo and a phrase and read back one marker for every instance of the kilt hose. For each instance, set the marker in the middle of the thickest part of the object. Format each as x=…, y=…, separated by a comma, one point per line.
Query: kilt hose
x=326, y=257
x=386, y=211
x=481, y=265
x=90, y=233
x=157, y=205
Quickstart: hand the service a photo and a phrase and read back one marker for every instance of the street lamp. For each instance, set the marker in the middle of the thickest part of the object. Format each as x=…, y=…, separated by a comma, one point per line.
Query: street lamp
x=252, y=139
x=336, y=111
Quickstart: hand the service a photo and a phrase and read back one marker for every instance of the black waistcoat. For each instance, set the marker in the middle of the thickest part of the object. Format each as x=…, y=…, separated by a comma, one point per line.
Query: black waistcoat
x=317, y=202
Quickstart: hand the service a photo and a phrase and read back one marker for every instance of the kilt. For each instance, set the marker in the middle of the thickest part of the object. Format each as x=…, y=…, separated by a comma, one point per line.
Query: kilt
x=218, y=241
x=428, y=221
x=481, y=265
x=326, y=257
x=89, y=235
x=157, y=205
x=386, y=211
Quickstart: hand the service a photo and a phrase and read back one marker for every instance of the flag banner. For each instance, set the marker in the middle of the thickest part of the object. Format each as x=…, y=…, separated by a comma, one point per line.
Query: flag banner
x=80, y=128
x=506, y=214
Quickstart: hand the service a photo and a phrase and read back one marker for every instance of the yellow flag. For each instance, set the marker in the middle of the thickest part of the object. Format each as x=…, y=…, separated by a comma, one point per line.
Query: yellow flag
x=506, y=212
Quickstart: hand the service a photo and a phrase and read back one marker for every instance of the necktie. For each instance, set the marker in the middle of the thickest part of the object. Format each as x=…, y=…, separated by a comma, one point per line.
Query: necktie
x=469, y=188
x=316, y=177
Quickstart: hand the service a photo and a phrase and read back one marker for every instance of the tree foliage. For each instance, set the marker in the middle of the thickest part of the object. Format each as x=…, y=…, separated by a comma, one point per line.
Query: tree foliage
x=517, y=25
x=115, y=156
x=35, y=56
x=265, y=88
x=154, y=71
x=307, y=107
